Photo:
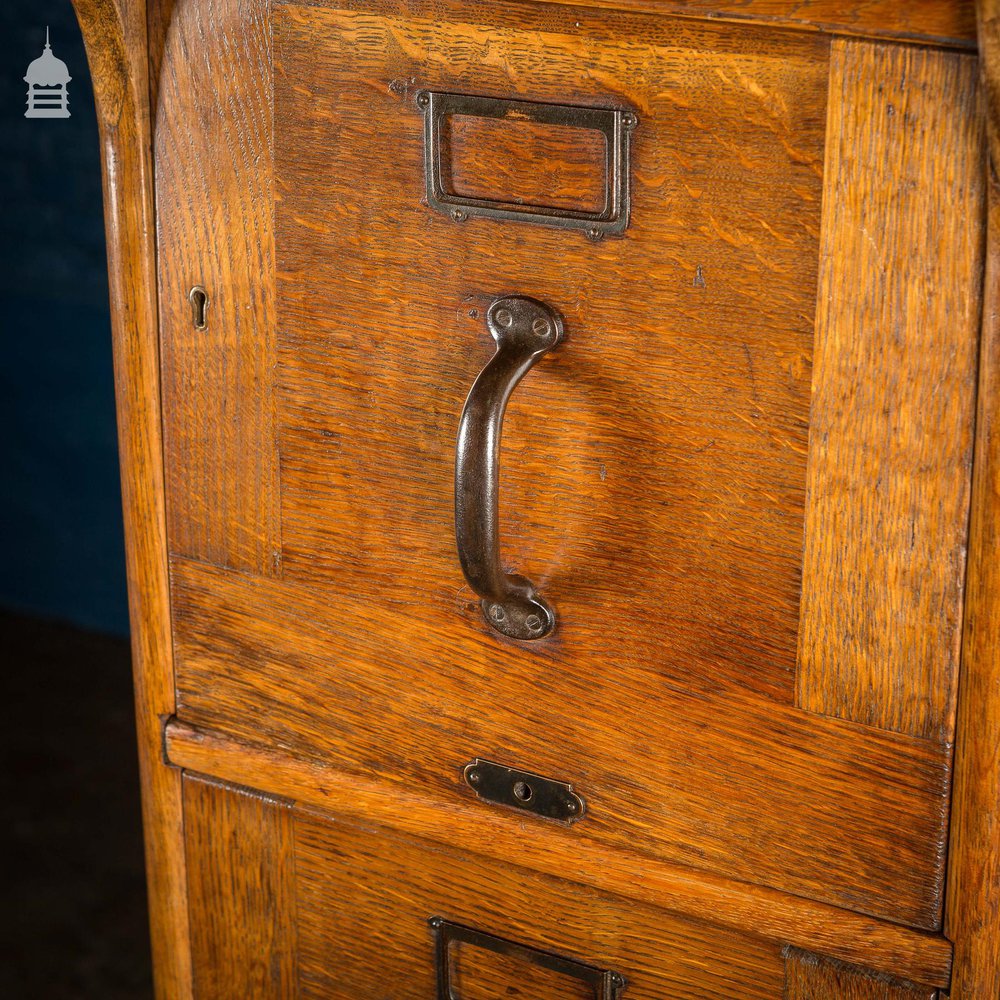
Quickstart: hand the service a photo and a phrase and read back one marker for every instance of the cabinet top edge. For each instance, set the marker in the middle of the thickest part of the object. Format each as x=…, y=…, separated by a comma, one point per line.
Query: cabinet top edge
x=948, y=24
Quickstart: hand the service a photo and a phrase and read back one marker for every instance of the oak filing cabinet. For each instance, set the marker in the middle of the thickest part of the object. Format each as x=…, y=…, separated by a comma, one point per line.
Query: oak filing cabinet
x=688, y=687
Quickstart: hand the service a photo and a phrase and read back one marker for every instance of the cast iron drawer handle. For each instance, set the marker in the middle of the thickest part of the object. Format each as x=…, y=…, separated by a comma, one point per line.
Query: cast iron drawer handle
x=524, y=330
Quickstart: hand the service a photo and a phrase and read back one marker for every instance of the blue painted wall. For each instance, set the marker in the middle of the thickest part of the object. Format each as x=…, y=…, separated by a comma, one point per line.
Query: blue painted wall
x=61, y=550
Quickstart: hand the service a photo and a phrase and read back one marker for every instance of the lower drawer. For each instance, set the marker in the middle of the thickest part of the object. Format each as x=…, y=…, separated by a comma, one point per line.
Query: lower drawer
x=366, y=899
x=286, y=902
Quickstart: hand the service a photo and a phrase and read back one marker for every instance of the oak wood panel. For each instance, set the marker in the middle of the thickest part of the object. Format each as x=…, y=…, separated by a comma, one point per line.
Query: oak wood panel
x=115, y=37
x=942, y=22
x=653, y=470
x=366, y=896
x=893, y=389
x=988, y=16
x=477, y=973
x=750, y=789
x=950, y=22
x=972, y=916
x=811, y=977
x=501, y=835
x=523, y=162
x=240, y=854
x=213, y=144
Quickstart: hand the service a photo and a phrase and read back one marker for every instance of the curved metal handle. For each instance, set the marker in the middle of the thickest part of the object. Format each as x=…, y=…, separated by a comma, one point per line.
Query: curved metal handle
x=524, y=330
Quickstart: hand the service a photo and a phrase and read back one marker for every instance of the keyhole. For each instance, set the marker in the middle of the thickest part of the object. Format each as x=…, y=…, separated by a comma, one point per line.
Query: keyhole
x=523, y=791
x=199, y=306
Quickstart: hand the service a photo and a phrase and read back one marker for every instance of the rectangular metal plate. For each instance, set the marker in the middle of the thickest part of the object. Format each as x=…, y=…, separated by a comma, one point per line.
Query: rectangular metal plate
x=506, y=786
x=615, y=125
x=606, y=985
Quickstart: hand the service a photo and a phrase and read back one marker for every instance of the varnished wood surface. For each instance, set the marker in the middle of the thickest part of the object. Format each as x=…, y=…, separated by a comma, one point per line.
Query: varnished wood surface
x=973, y=910
x=215, y=210
x=523, y=162
x=935, y=22
x=480, y=974
x=240, y=855
x=894, y=377
x=115, y=36
x=810, y=977
x=988, y=12
x=653, y=469
x=757, y=791
x=948, y=22
x=501, y=835
x=366, y=894
x=689, y=398
x=673, y=422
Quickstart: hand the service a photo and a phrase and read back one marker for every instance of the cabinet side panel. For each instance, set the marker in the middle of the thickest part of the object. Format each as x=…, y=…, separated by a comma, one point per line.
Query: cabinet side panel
x=213, y=148
x=115, y=36
x=890, y=450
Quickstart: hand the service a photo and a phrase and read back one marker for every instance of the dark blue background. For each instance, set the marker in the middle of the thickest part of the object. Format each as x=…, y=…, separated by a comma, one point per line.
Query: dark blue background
x=61, y=549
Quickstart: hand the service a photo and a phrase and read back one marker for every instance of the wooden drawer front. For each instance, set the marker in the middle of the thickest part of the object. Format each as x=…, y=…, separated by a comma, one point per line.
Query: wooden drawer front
x=718, y=700
x=365, y=898
x=289, y=903
x=649, y=484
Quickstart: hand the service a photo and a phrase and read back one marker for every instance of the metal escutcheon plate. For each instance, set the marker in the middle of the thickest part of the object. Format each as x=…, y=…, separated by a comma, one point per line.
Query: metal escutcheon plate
x=507, y=786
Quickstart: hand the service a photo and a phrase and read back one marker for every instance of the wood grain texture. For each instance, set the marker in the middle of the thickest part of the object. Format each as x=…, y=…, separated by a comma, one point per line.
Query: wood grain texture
x=810, y=977
x=972, y=917
x=241, y=867
x=940, y=22
x=524, y=162
x=757, y=791
x=366, y=895
x=947, y=22
x=213, y=146
x=893, y=390
x=988, y=14
x=477, y=973
x=502, y=835
x=653, y=468
x=115, y=37
x=673, y=423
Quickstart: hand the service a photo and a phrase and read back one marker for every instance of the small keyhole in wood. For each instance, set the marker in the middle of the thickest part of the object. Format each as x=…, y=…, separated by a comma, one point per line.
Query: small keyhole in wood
x=199, y=306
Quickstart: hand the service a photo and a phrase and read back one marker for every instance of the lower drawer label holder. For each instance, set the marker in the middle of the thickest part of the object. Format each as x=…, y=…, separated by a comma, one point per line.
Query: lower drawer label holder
x=456, y=945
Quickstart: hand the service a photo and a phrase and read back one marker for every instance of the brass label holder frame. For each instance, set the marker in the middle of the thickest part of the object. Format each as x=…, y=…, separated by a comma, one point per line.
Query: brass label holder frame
x=607, y=985
x=614, y=124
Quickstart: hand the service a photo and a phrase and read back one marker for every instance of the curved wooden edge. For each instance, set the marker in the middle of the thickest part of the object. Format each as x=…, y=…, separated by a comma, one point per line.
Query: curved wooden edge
x=972, y=909
x=114, y=32
x=763, y=913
